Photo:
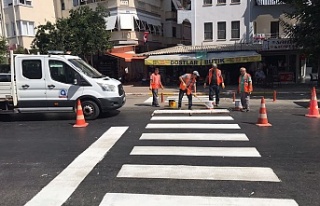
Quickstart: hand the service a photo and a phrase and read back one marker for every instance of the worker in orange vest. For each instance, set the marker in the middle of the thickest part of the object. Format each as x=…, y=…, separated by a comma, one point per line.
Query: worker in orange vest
x=245, y=88
x=187, y=85
x=155, y=84
x=214, y=79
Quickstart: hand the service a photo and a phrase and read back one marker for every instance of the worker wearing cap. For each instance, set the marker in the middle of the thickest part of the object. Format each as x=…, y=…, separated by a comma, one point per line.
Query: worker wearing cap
x=187, y=85
x=214, y=79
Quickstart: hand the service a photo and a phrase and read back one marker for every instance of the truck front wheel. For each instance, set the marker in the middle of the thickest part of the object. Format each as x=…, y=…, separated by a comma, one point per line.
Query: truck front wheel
x=90, y=109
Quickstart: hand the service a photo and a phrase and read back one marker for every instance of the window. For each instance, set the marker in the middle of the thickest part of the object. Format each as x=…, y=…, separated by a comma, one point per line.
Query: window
x=32, y=69
x=26, y=28
x=235, y=1
x=75, y=2
x=25, y=2
x=274, y=29
x=221, y=1
x=207, y=2
x=61, y=72
x=63, y=6
x=235, y=30
x=13, y=29
x=174, y=32
x=222, y=30
x=208, y=35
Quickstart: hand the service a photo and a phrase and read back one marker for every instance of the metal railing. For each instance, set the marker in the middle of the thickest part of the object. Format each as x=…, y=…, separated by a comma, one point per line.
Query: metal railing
x=268, y=2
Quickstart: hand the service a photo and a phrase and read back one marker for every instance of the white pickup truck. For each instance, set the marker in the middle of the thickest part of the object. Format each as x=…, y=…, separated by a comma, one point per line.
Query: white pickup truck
x=54, y=83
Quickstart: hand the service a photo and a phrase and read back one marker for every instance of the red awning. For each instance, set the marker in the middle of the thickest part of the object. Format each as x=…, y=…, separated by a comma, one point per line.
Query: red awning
x=127, y=56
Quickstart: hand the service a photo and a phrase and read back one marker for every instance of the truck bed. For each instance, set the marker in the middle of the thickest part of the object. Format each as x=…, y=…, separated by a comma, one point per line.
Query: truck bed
x=5, y=90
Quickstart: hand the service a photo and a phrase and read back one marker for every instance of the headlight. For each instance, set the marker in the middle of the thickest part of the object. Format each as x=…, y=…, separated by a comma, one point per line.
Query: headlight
x=107, y=87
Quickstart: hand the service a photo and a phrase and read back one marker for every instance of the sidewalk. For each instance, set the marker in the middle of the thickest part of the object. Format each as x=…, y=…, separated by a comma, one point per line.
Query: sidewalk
x=132, y=89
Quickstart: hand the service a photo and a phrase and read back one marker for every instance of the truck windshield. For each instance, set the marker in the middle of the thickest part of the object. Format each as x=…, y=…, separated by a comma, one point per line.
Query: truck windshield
x=86, y=68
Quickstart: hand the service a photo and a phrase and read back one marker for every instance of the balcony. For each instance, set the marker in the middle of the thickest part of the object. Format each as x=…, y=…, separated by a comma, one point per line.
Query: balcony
x=259, y=38
x=268, y=2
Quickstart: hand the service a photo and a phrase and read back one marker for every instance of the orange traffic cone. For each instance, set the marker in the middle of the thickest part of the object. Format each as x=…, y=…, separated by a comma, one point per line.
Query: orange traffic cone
x=313, y=108
x=80, y=122
x=263, y=119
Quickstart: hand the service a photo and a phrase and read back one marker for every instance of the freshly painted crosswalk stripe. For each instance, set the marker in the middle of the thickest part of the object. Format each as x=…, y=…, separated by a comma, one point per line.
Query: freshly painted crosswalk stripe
x=198, y=118
x=198, y=172
x=149, y=100
x=196, y=151
x=62, y=186
x=196, y=111
x=126, y=199
x=192, y=126
x=195, y=136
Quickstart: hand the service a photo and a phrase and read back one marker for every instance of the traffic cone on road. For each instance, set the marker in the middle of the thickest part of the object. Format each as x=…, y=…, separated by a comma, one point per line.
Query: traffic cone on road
x=313, y=108
x=263, y=119
x=80, y=121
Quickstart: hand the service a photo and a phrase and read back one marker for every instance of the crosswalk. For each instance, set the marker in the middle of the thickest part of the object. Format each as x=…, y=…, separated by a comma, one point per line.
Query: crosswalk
x=175, y=120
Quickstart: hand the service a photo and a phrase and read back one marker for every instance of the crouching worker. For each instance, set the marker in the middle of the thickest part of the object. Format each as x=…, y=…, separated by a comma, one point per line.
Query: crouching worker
x=188, y=85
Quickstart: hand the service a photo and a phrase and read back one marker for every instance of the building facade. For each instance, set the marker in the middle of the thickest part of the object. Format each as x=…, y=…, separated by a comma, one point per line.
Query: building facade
x=20, y=17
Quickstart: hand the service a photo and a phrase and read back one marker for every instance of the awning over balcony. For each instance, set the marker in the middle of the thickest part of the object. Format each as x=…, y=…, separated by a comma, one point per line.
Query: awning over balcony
x=111, y=22
x=202, y=58
x=126, y=21
x=149, y=20
x=128, y=57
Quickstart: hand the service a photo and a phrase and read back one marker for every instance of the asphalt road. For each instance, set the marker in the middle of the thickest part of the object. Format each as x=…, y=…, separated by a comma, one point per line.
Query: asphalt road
x=36, y=150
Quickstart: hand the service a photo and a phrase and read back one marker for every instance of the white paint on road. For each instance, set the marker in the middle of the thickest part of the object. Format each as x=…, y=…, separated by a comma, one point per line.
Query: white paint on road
x=195, y=111
x=196, y=151
x=149, y=100
x=123, y=199
x=62, y=186
x=199, y=118
x=198, y=172
x=192, y=126
x=195, y=136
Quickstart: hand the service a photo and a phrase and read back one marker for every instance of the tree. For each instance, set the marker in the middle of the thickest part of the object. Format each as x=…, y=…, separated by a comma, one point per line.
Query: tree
x=83, y=33
x=305, y=32
x=3, y=50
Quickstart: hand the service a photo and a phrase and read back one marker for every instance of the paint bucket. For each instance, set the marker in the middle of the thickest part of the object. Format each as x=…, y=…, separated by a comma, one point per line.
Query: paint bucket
x=237, y=105
x=172, y=104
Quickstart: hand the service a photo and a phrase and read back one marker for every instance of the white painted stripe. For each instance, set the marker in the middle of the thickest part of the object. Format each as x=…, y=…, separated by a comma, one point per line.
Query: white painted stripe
x=62, y=186
x=195, y=136
x=198, y=172
x=199, y=111
x=127, y=199
x=196, y=151
x=149, y=100
x=203, y=118
x=192, y=126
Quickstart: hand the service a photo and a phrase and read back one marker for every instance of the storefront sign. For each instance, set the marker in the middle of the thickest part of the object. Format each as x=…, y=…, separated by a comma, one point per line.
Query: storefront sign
x=233, y=60
x=286, y=76
x=277, y=44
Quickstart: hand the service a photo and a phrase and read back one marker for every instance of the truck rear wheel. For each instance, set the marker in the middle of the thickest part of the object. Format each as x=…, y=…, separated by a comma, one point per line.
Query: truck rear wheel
x=90, y=109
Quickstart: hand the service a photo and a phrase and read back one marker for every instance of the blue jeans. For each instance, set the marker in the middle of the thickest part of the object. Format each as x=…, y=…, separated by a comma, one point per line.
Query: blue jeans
x=214, y=89
x=181, y=94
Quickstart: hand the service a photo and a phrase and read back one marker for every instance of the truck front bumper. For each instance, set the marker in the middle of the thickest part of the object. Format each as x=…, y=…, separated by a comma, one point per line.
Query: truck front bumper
x=112, y=103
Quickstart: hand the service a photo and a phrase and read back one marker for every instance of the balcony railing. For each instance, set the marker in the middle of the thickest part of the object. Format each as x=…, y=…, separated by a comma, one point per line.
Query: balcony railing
x=268, y=2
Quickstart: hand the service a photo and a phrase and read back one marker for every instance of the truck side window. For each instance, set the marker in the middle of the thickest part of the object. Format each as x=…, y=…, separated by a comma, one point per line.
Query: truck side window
x=32, y=69
x=61, y=72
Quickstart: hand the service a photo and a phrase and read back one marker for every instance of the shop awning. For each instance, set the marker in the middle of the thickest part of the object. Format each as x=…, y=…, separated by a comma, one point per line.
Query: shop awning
x=128, y=57
x=111, y=22
x=202, y=58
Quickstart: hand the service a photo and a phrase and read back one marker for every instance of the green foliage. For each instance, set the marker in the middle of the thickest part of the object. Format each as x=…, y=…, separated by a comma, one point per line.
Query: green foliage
x=306, y=31
x=83, y=33
x=3, y=50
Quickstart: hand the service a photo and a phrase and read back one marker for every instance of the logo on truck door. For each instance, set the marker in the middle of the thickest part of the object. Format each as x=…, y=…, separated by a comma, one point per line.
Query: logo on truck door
x=63, y=94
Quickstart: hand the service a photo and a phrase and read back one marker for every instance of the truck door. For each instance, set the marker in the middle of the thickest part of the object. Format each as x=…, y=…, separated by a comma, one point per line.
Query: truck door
x=31, y=85
x=62, y=85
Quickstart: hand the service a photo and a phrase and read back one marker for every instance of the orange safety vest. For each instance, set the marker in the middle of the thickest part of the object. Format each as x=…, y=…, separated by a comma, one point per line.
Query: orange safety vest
x=189, y=84
x=156, y=81
x=247, y=87
x=219, y=76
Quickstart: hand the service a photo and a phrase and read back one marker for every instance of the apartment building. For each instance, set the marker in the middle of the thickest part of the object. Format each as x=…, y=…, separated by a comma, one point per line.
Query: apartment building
x=20, y=17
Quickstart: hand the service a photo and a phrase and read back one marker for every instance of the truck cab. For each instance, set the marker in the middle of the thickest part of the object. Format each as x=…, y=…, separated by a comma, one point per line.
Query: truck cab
x=54, y=83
